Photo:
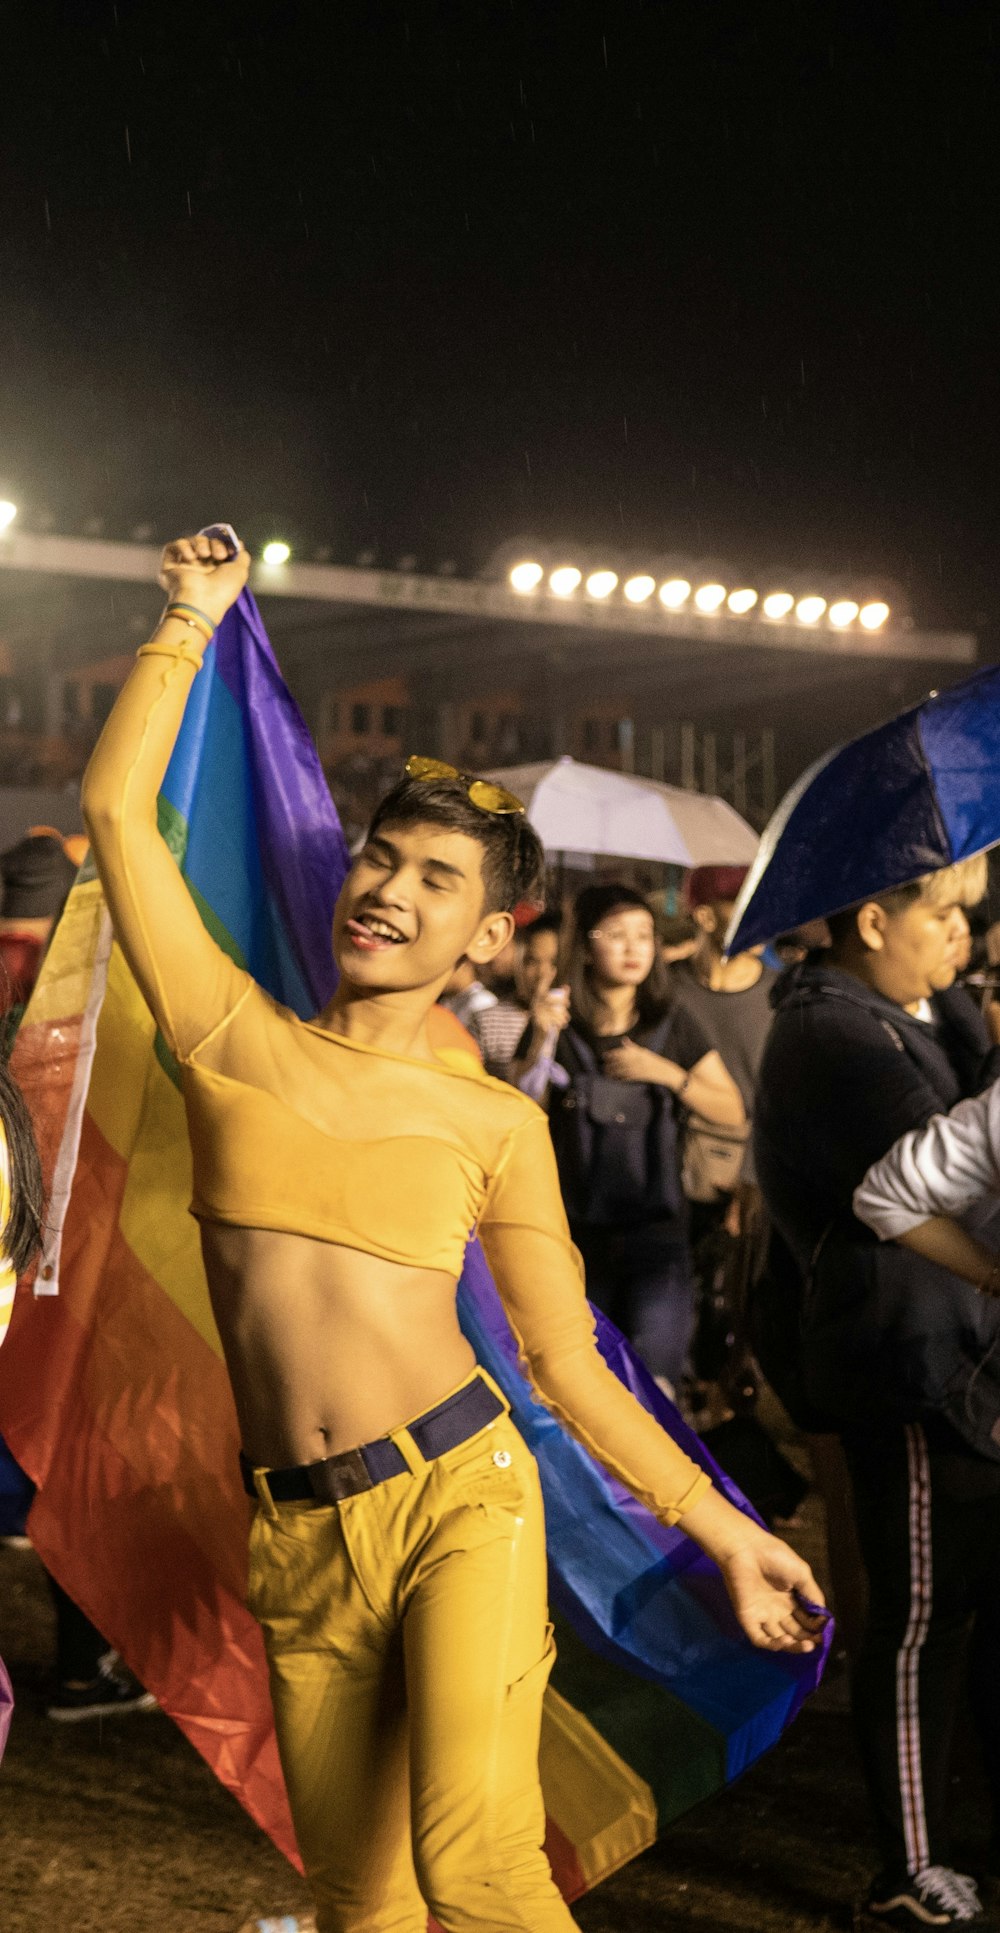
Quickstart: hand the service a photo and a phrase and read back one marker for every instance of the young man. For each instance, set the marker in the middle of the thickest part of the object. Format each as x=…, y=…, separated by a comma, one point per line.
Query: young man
x=397, y=1558
x=863, y=1048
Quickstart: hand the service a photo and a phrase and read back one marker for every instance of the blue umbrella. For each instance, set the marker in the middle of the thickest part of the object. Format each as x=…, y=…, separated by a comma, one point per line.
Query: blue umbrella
x=905, y=799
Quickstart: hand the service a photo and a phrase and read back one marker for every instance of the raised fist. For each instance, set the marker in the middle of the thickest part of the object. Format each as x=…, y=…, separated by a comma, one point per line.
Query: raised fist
x=201, y=571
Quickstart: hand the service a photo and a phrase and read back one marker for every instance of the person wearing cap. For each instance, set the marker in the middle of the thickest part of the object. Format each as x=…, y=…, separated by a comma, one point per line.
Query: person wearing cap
x=731, y=999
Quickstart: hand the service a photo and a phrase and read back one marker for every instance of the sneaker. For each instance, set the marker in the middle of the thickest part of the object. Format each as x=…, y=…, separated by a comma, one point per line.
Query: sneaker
x=113, y=1690
x=936, y=1896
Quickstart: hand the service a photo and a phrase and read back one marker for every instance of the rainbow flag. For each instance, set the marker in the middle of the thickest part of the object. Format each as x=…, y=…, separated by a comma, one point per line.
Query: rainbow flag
x=114, y=1397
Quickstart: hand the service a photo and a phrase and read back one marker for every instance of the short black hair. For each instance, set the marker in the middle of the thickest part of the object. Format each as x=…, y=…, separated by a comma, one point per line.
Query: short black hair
x=513, y=855
x=548, y=922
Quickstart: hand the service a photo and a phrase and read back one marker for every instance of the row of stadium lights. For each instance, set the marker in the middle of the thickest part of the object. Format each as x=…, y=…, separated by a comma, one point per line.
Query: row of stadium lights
x=677, y=592
x=674, y=594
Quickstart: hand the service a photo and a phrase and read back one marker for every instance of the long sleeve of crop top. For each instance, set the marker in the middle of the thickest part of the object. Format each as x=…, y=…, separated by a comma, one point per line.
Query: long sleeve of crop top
x=526, y=1240
x=188, y=982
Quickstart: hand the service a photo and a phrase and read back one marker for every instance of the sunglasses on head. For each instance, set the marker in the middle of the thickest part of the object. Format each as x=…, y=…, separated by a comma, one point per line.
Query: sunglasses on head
x=482, y=792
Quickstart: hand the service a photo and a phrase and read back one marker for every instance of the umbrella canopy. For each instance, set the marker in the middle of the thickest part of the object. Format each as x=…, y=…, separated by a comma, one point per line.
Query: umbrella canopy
x=911, y=796
x=583, y=808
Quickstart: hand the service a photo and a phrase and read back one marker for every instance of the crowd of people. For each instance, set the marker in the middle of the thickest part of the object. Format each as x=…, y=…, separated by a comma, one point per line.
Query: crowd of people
x=767, y=1170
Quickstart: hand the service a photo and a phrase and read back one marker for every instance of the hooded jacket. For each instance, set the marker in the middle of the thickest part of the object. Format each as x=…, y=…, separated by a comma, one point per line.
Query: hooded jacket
x=882, y=1336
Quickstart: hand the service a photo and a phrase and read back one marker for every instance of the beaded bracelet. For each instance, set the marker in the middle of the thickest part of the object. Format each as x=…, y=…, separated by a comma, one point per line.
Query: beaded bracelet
x=190, y=614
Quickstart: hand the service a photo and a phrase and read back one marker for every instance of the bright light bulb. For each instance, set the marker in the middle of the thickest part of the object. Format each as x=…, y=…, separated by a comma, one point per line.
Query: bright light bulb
x=778, y=604
x=843, y=612
x=526, y=577
x=809, y=610
x=276, y=553
x=740, y=602
x=675, y=592
x=639, y=588
x=565, y=580
x=873, y=616
x=8, y=511
x=601, y=583
x=708, y=597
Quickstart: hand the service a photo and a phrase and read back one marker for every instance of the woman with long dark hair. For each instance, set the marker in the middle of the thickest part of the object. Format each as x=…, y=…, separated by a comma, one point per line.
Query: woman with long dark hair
x=628, y=1067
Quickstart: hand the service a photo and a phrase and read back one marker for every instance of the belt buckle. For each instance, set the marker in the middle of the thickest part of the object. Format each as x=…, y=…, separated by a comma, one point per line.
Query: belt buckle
x=336, y=1477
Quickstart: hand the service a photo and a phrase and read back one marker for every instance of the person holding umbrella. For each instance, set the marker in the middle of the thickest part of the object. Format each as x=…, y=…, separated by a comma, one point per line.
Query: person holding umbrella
x=860, y=1052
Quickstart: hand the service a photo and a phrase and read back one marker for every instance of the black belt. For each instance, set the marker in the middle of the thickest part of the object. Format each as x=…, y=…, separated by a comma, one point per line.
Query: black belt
x=336, y=1477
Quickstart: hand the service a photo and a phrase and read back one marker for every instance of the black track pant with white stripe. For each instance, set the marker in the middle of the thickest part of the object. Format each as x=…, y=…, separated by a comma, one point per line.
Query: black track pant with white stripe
x=928, y=1515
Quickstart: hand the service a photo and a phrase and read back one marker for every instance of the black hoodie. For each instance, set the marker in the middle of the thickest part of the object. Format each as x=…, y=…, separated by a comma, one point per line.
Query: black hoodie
x=884, y=1335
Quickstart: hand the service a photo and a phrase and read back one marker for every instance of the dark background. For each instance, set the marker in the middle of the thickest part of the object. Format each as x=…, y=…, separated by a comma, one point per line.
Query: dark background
x=420, y=278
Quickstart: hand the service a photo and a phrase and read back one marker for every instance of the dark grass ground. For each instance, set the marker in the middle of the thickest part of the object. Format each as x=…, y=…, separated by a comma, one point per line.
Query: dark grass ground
x=119, y=1827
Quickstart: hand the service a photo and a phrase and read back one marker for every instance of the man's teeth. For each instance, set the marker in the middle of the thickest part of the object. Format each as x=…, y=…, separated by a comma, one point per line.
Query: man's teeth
x=381, y=930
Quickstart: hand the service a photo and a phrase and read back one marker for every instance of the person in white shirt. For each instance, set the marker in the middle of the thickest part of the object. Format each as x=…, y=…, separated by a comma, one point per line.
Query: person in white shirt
x=929, y=1178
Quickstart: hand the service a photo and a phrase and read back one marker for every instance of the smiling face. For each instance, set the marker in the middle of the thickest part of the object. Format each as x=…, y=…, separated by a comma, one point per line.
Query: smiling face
x=411, y=907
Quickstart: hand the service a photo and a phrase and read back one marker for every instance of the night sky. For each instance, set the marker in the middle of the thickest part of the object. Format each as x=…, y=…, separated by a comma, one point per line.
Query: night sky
x=418, y=279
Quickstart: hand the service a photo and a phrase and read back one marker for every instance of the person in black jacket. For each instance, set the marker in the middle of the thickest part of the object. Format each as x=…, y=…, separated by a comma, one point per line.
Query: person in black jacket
x=626, y=1068
x=900, y=1358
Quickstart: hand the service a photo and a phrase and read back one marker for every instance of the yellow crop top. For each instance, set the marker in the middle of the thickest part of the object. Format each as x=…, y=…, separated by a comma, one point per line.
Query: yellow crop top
x=295, y=1128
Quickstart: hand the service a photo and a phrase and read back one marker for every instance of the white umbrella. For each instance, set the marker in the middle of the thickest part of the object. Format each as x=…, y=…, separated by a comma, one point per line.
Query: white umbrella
x=583, y=808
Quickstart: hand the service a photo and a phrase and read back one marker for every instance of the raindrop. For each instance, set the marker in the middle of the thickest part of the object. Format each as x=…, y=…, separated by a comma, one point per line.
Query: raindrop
x=128, y=146
x=625, y=426
x=48, y=215
x=527, y=462
x=604, y=44
x=802, y=372
x=188, y=199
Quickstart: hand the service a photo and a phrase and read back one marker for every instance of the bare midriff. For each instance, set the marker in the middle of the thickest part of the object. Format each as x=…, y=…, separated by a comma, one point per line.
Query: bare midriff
x=336, y=1182
x=327, y=1347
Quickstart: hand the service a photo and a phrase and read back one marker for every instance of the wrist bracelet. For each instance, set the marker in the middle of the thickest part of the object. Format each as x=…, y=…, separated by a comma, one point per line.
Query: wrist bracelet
x=990, y=1284
x=679, y=1092
x=185, y=652
x=190, y=614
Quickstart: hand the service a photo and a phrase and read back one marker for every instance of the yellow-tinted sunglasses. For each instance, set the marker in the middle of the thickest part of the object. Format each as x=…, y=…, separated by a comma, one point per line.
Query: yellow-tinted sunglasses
x=483, y=793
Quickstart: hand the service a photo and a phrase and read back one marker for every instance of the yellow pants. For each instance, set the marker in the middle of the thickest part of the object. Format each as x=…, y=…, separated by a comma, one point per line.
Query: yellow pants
x=408, y=1648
